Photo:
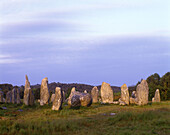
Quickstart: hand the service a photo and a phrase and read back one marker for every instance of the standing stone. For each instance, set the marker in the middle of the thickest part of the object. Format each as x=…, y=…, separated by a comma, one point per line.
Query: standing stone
x=18, y=96
x=70, y=96
x=52, y=98
x=95, y=94
x=1, y=96
x=57, y=103
x=142, y=92
x=134, y=94
x=44, y=92
x=156, y=98
x=9, y=97
x=75, y=101
x=28, y=93
x=85, y=91
x=106, y=93
x=14, y=96
x=124, y=100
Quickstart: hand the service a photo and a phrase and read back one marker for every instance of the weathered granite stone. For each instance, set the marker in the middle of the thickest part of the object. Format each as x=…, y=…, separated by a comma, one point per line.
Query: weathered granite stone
x=44, y=92
x=14, y=96
x=52, y=98
x=28, y=93
x=106, y=93
x=9, y=97
x=156, y=98
x=134, y=94
x=18, y=96
x=75, y=101
x=133, y=100
x=124, y=100
x=1, y=96
x=142, y=92
x=58, y=100
x=115, y=102
x=95, y=94
x=85, y=98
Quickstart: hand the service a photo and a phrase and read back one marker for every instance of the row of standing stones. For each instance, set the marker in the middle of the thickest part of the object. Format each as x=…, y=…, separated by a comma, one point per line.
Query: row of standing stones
x=77, y=99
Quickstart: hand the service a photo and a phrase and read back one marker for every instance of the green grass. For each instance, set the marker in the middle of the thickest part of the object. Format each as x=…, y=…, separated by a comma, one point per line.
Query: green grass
x=152, y=119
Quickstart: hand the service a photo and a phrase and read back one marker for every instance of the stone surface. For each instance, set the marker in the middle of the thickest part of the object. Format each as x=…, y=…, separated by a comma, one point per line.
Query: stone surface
x=124, y=100
x=58, y=100
x=106, y=93
x=85, y=98
x=9, y=97
x=95, y=94
x=133, y=100
x=52, y=98
x=1, y=96
x=156, y=98
x=64, y=97
x=18, y=100
x=75, y=101
x=115, y=102
x=134, y=94
x=142, y=92
x=85, y=91
x=28, y=93
x=14, y=96
x=44, y=92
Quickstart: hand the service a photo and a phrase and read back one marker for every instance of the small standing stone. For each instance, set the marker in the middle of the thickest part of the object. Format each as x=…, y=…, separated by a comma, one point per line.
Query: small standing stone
x=9, y=97
x=44, y=92
x=18, y=96
x=124, y=100
x=14, y=96
x=85, y=91
x=156, y=98
x=106, y=93
x=1, y=96
x=95, y=94
x=57, y=103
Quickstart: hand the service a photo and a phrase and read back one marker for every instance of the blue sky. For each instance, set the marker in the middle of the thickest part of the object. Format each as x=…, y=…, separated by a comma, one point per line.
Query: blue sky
x=83, y=41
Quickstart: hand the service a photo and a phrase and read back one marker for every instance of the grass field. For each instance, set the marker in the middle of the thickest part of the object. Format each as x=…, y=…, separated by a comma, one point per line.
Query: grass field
x=152, y=119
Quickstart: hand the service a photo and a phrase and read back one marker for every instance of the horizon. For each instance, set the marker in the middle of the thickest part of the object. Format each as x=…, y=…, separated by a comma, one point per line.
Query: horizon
x=85, y=42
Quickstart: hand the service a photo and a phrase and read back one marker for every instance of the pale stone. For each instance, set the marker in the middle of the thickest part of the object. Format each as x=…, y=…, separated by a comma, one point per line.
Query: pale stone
x=134, y=94
x=142, y=93
x=85, y=98
x=124, y=100
x=28, y=93
x=115, y=102
x=52, y=98
x=14, y=96
x=44, y=92
x=1, y=96
x=133, y=100
x=95, y=94
x=85, y=91
x=9, y=97
x=75, y=101
x=156, y=98
x=18, y=100
x=58, y=100
x=106, y=93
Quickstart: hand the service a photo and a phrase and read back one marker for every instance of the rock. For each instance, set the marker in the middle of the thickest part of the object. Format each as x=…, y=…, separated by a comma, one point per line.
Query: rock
x=115, y=102
x=85, y=91
x=1, y=96
x=52, y=98
x=124, y=100
x=106, y=93
x=75, y=101
x=28, y=93
x=14, y=96
x=133, y=100
x=142, y=92
x=134, y=94
x=85, y=98
x=9, y=97
x=44, y=92
x=18, y=100
x=156, y=98
x=95, y=94
x=58, y=100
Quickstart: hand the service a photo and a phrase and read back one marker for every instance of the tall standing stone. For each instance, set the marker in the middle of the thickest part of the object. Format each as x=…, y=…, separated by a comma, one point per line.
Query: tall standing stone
x=124, y=100
x=8, y=97
x=52, y=98
x=44, y=92
x=58, y=100
x=71, y=94
x=142, y=92
x=156, y=98
x=1, y=96
x=106, y=93
x=28, y=93
x=95, y=94
x=14, y=96
x=18, y=96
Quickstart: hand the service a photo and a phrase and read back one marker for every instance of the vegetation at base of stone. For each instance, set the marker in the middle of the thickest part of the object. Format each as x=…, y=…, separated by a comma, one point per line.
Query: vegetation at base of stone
x=162, y=83
x=95, y=120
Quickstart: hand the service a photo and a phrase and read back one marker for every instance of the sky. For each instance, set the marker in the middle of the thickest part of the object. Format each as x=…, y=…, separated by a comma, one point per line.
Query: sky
x=83, y=41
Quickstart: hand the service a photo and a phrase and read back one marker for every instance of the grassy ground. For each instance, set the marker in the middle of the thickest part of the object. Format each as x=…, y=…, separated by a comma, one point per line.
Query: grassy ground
x=151, y=119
